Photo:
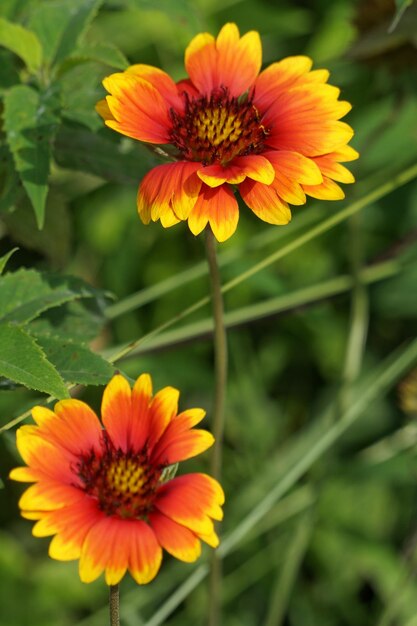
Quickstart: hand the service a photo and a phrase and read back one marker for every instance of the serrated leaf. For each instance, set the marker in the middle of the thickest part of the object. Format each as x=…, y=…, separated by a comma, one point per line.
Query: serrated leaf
x=25, y=294
x=105, y=53
x=81, y=150
x=5, y=258
x=24, y=362
x=80, y=320
x=22, y=42
x=76, y=362
x=82, y=14
x=30, y=123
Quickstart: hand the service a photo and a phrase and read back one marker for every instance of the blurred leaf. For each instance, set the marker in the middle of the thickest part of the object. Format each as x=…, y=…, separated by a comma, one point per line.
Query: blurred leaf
x=334, y=33
x=81, y=150
x=182, y=11
x=398, y=297
x=83, y=12
x=30, y=123
x=23, y=361
x=5, y=258
x=105, y=53
x=22, y=42
x=81, y=89
x=8, y=72
x=10, y=185
x=76, y=362
x=60, y=24
x=402, y=6
x=25, y=294
x=54, y=241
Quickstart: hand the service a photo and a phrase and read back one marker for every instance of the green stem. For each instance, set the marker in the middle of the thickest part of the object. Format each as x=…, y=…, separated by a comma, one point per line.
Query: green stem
x=220, y=365
x=359, y=316
x=114, y=605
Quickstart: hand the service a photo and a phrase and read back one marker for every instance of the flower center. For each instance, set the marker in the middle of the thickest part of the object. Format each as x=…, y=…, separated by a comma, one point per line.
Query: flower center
x=123, y=483
x=218, y=128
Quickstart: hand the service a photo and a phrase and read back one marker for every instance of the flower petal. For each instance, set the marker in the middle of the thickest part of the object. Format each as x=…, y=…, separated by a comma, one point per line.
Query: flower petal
x=177, y=446
x=114, y=545
x=103, y=110
x=138, y=109
x=254, y=166
x=239, y=59
x=327, y=190
x=73, y=426
x=231, y=61
x=330, y=168
x=191, y=500
x=279, y=75
x=145, y=553
x=45, y=459
x=295, y=166
x=162, y=410
x=174, y=538
x=71, y=524
x=24, y=475
x=168, y=188
x=48, y=496
x=218, y=207
x=141, y=399
x=162, y=82
x=265, y=202
x=116, y=411
x=212, y=539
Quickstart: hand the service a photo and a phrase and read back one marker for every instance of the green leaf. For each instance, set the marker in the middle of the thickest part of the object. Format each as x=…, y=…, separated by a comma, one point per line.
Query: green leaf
x=22, y=42
x=105, y=53
x=80, y=320
x=76, y=362
x=24, y=362
x=9, y=74
x=30, y=124
x=54, y=242
x=25, y=294
x=5, y=258
x=10, y=186
x=81, y=150
x=402, y=6
x=82, y=14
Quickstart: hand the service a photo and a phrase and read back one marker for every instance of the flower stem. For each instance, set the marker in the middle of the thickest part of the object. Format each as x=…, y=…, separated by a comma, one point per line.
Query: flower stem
x=220, y=362
x=114, y=605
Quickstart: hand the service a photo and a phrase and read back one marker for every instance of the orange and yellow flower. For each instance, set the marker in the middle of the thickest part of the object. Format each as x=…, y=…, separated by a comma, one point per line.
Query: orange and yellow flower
x=276, y=135
x=101, y=491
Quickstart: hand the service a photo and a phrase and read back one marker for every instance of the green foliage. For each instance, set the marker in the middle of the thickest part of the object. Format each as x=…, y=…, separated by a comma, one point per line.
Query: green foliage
x=18, y=348
x=22, y=42
x=30, y=124
x=319, y=461
x=34, y=352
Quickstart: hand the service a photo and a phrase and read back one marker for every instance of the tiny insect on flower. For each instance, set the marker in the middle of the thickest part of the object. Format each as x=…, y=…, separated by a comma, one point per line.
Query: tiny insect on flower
x=103, y=492
x=275, y=135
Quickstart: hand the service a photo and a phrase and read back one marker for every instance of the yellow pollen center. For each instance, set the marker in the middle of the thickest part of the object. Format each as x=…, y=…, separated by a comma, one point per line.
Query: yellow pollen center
x=125, y=476
x=217, y=128
x=217, y=125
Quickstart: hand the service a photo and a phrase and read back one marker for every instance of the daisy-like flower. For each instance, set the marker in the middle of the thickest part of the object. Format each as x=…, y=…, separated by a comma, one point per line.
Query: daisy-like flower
x=275, y=135
x=101, y=492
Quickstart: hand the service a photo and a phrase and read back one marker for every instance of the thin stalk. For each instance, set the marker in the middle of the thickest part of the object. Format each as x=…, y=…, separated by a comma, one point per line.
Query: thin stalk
x=220, y=372
x=114, y=605
x=359, y=315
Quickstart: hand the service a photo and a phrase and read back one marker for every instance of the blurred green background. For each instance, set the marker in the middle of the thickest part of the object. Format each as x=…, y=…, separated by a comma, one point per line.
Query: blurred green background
x=339, y=547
